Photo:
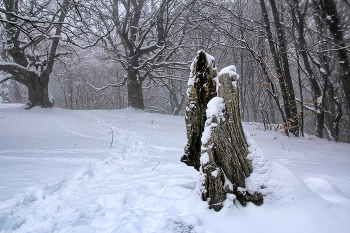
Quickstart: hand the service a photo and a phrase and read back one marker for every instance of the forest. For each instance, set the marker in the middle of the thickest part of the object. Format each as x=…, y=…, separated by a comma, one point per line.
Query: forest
x=292, y=57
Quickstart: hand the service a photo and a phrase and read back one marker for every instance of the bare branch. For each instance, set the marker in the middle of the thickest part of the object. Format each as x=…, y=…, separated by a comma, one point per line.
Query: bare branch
x=5, y=79
x=109, y=85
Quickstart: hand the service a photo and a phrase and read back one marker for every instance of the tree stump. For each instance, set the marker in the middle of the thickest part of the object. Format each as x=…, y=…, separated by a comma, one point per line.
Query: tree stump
x=201, y=89
x=218, y=145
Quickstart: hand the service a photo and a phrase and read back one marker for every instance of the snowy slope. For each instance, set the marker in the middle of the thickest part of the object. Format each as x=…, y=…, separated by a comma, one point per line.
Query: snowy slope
x=63, y=171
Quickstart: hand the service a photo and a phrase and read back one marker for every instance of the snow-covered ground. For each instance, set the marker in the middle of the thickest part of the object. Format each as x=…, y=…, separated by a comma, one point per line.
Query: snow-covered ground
x=119, y=171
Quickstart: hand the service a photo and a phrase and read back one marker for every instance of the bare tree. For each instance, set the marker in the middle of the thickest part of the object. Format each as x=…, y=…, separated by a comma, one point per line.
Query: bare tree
x=299, y=13
x=282, y=66
x=144, y=37
x=31, y=44
x=327, y=9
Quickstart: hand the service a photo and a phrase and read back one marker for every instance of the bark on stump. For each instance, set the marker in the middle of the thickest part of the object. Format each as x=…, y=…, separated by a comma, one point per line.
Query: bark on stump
x=219, y=145
x=201, y=89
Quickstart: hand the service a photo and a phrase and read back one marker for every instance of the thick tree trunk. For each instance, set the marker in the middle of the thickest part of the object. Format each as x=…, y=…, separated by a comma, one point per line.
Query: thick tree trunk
x=135, y=97
x=134, y=86
x=38, y=93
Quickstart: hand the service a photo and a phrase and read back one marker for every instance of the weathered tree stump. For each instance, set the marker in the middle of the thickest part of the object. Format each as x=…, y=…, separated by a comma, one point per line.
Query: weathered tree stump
x=201, y=89
x=219, y=146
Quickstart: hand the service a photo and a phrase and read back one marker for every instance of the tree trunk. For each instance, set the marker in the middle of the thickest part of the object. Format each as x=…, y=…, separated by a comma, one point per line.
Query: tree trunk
x=134, y=86
x=299, y=20
x=289, y=100
x=178, y=107
x=329, y=13
x=283, y=75
x=328, y=90
x=38, y=92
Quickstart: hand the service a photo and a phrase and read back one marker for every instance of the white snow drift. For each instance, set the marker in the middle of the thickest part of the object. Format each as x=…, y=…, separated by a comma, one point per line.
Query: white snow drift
x=119, y=171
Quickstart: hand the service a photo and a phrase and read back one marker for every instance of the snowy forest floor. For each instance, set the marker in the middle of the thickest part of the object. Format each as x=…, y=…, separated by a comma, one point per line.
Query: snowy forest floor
x=119, y=171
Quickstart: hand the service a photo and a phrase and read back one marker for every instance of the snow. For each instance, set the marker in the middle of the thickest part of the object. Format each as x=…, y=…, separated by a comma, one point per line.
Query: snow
x=59, y=174
x=230, y=70
x=190, y=82
x=205, y=158
x=327, y=190
x=210, y=59
x=228, y=184
x=234, y=83
x=215, y=173
x=215, y=108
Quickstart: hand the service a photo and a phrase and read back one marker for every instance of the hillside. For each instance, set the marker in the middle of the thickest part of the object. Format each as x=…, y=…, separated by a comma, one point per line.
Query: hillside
x=119, y=171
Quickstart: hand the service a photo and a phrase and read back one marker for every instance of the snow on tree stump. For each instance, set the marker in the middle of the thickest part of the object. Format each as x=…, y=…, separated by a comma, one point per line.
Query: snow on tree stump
x=215, y=136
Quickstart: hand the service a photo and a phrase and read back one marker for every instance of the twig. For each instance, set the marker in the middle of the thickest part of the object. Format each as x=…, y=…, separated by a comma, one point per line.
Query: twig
x=5, y=79
x=156, y=166
x=112, y=137
x=284, y=147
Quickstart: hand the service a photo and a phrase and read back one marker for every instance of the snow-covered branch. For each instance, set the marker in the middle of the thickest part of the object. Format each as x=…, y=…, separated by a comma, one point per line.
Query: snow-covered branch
x=310, y=108
x=148, y=60
x=15, y=69
x=123, y=83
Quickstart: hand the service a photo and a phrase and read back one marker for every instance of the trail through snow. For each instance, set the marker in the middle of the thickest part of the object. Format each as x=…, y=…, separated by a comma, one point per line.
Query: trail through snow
x=119, y=171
